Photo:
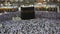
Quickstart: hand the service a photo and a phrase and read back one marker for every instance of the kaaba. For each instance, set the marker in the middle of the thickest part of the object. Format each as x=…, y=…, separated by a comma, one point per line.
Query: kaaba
x=27, y=13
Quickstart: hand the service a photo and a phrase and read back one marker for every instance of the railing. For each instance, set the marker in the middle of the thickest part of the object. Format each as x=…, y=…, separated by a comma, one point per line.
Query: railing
x=46, y=7
x=8, y=8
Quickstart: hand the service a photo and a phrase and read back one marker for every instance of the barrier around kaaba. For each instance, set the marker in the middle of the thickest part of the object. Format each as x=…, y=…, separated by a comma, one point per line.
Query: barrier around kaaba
x=27, y=13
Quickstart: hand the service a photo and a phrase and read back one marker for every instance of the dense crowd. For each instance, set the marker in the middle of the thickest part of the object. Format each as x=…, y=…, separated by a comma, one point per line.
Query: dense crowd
x=32, y=26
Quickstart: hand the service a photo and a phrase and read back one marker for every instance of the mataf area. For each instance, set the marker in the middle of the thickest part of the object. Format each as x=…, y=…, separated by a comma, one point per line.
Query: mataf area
x=39, y=25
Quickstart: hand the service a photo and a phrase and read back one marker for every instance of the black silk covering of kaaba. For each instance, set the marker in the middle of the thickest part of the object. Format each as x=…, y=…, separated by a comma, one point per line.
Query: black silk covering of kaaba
x=27, y=13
